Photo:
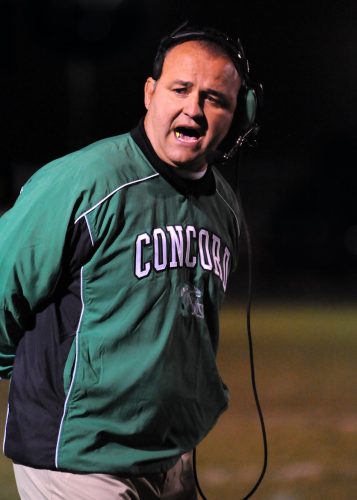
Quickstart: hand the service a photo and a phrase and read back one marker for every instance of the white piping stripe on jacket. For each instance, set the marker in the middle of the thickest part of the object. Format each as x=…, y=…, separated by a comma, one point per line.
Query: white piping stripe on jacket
x=7, y=417
x=113, y=192
x=82, y=311
x=89, y=231
x=73, y=375
x=228, y=205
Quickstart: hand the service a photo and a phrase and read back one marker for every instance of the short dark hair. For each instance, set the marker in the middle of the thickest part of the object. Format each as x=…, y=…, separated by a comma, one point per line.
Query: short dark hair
x=214, y=38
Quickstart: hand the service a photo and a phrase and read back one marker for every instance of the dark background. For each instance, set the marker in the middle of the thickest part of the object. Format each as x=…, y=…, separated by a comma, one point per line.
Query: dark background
x=73, y=72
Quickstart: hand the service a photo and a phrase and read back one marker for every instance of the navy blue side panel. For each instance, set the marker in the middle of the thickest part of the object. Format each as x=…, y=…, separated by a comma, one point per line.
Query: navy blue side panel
x=37, y=396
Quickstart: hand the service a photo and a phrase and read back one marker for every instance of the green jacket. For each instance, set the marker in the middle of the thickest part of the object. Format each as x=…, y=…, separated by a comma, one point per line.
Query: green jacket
x=112, y=357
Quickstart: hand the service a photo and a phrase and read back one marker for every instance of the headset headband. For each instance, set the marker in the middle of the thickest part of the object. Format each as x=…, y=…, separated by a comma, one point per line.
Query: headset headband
x=186, y=32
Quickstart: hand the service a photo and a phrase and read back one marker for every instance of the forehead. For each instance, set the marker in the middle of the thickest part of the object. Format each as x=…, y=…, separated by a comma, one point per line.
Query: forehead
x=198, y=59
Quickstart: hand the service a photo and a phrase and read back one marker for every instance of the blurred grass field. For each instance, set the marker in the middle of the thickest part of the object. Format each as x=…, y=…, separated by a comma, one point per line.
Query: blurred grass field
x=305, y=360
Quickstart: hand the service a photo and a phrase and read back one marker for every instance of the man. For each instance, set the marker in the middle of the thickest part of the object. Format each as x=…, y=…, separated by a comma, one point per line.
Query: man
x=114, y=262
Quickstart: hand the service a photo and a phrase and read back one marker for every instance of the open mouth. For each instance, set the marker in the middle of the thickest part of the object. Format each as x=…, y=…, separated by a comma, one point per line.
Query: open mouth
x=186, y=134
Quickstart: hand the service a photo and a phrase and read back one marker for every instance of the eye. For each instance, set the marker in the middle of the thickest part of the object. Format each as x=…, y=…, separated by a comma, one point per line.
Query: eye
x=215, y=100
x=180, y=90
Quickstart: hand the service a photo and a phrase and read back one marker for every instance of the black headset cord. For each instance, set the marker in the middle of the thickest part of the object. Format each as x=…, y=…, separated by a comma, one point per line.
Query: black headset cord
x=251, y=350
x=251, y=357
x=202, y=495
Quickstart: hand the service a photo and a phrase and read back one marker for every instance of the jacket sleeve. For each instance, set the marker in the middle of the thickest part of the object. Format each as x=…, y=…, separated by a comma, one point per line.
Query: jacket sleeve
x=32, y=238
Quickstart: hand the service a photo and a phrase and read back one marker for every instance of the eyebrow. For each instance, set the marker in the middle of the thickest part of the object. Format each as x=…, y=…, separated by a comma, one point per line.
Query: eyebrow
x=214, y=92
x=183, y=83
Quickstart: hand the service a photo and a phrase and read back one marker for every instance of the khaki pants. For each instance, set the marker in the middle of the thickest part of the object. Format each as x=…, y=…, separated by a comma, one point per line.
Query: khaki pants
x=177, y=483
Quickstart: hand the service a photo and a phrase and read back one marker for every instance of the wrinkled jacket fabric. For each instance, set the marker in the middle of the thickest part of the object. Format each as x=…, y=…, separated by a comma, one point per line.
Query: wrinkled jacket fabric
x=110, y=284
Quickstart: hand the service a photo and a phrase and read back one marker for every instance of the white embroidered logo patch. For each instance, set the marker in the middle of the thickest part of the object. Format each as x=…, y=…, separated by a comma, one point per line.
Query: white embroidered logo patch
x=191, y=301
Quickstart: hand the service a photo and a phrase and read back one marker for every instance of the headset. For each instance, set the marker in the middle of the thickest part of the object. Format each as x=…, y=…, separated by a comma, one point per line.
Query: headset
x=245, y=126
x=246, y=121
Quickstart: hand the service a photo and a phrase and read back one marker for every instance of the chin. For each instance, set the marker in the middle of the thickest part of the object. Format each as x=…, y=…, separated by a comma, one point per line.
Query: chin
x=193, y=162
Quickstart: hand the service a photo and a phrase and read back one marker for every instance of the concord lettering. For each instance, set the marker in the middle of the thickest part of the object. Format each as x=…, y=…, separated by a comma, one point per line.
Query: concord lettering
x=178, y=246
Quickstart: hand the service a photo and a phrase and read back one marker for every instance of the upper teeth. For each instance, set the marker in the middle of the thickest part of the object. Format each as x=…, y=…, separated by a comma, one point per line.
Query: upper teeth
x=185, y=137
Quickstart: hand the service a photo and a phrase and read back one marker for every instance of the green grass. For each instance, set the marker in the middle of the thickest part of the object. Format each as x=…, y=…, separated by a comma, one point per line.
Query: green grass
x=305, y=360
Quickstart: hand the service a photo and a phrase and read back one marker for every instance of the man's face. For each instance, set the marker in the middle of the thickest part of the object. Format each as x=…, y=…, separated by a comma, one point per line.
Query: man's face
x=191, y=106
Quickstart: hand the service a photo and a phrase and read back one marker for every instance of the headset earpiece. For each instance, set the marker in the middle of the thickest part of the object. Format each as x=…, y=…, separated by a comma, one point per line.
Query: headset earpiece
x=249, y=108
x=251, y=105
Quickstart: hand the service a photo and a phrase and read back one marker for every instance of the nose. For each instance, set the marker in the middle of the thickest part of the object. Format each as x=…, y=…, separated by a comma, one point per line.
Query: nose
x=193, y=105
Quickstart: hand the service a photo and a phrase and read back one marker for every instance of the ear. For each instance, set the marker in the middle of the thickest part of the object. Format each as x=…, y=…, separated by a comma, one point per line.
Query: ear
x=148, y=91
